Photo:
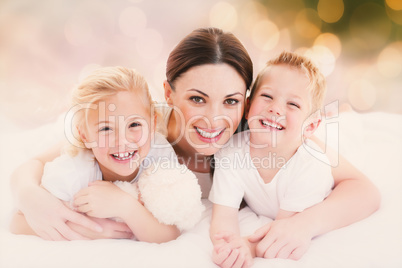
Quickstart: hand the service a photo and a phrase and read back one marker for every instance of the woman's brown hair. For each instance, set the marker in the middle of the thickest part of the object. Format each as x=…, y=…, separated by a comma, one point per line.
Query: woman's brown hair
x=209, y=46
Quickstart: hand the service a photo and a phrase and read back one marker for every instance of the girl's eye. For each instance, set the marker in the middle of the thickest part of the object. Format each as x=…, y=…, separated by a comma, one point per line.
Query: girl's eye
x=231, y=101
x=135, y=124
x=197, y=99
x=105, y=129
x=294, y=104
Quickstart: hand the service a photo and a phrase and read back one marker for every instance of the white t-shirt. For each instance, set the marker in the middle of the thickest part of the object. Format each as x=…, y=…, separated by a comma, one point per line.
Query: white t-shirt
x=66, y=175
x=204, y=179
x=302, y=182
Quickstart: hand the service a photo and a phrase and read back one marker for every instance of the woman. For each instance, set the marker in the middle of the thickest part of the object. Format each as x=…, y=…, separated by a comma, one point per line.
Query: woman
x=208, y=74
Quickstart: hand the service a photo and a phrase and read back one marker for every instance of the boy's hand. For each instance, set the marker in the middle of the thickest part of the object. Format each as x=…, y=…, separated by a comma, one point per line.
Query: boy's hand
x=234, y=251
x=283, y=239
x=101, y=199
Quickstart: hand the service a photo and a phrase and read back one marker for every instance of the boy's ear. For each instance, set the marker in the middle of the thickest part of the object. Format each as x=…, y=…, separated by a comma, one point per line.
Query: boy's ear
x=168, y=92
x=312, y=123
x=247, y=108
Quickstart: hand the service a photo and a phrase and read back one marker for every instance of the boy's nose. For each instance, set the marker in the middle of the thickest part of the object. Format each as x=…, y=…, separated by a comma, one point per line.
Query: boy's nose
x=275, y=109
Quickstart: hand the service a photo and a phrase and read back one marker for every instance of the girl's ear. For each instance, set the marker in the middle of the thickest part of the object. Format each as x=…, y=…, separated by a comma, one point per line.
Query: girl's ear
x=168, y=92
x=313, y=122
x=84, y=138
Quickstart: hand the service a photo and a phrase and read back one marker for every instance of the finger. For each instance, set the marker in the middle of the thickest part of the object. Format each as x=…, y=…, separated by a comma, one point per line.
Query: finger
x=239, y=261
x=122, y=235
x=227, y=236
x=231, y=245
x=98, y=183
x=220, y=257
x=248, y=262
x=285, y=252
x=55, y=235
x=274, y=248
x=231, y=259
x=260, y=233
x=82, y=220
x=86, y=208
x=264, y=245
x=121, y=227
x=68, y=233
x=297, y=253
x=80, y=200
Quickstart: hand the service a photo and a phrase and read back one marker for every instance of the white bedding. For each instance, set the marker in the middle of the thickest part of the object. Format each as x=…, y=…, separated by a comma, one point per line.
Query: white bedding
x=372, y=142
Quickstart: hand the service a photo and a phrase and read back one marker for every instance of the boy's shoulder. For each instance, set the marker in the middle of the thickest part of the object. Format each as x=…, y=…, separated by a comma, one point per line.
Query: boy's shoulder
x=310, y=154
x=238, y=143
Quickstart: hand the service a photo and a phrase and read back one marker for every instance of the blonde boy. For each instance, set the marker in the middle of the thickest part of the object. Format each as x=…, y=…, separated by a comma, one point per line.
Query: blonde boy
x=269, y=165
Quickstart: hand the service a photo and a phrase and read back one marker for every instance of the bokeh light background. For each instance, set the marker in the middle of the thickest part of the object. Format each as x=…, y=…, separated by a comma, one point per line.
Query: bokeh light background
x=47, y=46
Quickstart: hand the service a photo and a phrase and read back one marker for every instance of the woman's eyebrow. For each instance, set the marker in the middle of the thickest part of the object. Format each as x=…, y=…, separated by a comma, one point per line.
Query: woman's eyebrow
x=231, y=95
x=199, y=91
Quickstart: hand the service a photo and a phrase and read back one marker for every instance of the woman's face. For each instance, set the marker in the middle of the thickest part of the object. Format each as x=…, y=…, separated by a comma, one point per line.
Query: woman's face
x=208, y=102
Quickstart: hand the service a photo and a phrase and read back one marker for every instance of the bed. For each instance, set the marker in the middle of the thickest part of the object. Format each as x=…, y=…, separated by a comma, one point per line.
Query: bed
x=372, y=142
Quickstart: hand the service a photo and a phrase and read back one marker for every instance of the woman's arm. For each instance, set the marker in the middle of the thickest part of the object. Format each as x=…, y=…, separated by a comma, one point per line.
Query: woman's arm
x=354, y=197
x=44, y=213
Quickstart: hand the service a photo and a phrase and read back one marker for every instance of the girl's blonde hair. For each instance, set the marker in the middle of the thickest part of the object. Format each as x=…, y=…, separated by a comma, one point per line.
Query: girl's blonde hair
x=317, y=85
x=101, y=84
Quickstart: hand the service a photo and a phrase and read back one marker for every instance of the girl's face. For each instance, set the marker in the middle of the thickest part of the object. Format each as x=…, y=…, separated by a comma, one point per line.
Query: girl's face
x=279, y=108
x=208, y=102
x=119, y=134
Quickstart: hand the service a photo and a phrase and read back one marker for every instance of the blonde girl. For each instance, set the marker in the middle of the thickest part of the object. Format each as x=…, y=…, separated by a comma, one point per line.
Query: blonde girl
x=112, y=133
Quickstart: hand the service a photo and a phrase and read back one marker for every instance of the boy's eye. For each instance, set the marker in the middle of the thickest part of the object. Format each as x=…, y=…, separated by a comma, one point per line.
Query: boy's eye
x=135, y=124
x=231, y=101
x=197, y=99
x=267, y=96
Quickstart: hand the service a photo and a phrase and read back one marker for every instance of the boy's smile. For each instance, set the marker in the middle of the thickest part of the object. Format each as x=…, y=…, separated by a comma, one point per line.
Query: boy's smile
x=279, y=108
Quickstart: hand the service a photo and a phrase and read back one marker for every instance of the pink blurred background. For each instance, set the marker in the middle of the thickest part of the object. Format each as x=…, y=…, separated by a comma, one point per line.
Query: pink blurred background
x=47, y=46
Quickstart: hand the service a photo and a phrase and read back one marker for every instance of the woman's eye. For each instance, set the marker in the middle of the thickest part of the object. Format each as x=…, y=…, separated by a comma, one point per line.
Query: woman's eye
x=231, y=101
x=135, y=124
x=197, y=99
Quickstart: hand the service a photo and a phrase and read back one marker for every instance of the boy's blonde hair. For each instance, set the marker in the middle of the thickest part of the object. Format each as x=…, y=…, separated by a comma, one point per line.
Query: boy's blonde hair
x=317, y=85
x=101, y=84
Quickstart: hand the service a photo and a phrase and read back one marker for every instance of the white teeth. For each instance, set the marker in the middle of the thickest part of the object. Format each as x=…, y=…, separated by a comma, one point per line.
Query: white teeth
x=123, y=156
x=271, y=124
x=208, y=135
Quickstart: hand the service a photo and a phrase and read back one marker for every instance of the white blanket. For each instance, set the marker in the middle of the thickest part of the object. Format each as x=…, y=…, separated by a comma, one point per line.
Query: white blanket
x=372, y=142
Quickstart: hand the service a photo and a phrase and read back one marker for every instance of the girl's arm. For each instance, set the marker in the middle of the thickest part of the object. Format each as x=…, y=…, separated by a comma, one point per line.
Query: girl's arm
x=103, y=199
x=44, y=213
x=353, y=198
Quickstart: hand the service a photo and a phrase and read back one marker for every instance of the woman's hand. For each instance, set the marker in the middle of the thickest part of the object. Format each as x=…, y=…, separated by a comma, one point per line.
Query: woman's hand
x=101, y=199
x=111, y=229
x=287, y=238
x=47, y=216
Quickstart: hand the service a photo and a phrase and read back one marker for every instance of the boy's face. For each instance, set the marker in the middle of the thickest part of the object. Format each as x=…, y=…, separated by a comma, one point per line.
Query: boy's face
x=119, y=134
x=279, y=107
